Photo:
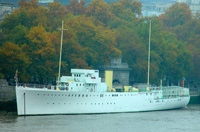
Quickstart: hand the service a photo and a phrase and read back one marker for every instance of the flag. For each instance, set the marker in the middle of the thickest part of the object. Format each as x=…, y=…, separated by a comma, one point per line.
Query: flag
x=16, y=76
x=182, y=83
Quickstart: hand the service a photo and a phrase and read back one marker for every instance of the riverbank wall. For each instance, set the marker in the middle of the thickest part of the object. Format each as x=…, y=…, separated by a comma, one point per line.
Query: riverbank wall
x=7, y=96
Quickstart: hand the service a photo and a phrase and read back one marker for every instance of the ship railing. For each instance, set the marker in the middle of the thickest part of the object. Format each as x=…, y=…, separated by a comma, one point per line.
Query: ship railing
x=39, y=86
x=174, y=91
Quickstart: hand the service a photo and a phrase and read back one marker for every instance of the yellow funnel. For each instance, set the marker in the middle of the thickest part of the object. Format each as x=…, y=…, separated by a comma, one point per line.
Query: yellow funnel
x=108, y=79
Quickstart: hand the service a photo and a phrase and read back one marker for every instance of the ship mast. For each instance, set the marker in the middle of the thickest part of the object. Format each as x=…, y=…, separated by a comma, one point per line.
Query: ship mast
x=57, y=88
x=149, y=56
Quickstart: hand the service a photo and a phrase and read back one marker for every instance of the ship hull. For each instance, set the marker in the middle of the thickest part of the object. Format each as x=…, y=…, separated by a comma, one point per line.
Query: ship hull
x=32, y=101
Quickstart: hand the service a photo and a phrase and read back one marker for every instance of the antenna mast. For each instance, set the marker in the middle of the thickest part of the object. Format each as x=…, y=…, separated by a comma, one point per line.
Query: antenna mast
x=60, y=54
x=149, y=56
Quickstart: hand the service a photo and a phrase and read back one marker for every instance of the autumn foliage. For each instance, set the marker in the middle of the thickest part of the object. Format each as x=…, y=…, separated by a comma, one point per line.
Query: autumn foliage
x=97, y=32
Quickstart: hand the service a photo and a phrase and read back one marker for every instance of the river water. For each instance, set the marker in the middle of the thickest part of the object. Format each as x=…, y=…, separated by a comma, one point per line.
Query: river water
x=180, y=120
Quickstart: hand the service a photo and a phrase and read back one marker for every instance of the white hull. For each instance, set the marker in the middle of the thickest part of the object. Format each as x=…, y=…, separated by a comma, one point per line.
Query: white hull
x=32, y=101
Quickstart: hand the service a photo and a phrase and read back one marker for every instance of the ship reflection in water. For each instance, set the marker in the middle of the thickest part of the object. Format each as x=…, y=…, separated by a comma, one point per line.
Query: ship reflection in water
x=180, y=120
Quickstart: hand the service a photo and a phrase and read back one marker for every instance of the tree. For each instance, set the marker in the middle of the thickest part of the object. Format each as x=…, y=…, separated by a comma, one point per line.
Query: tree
x=76, y=7
x=100, y=10
x=12, y=58
x=177, y=14
x=42, y=53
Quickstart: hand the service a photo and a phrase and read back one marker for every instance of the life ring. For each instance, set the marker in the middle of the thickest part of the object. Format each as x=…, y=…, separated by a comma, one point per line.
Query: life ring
x=91, y=89
x=67, y=84
x=67, y=88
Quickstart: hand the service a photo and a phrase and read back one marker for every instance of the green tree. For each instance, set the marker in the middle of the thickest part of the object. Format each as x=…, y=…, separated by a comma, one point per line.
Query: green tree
x=177, y=14
x=12, y=58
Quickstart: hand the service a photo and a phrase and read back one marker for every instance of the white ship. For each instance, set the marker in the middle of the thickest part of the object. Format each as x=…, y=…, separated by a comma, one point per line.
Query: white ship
x=85, y=93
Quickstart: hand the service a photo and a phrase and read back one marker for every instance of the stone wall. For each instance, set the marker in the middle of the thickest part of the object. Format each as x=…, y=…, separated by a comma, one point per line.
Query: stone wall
x=7, y=93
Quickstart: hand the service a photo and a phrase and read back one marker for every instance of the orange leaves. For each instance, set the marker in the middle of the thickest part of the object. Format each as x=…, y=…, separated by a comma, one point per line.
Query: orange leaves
x=11, y=58
x=100, y=10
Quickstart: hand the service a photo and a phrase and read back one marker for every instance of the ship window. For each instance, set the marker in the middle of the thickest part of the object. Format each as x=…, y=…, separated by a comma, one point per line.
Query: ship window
x=76, y=84
x=44, y=94
x=86, y=95
x=79, y=95
x=80, y=84
x=83, y=95
x=38, y=94
x=83, y=84
x=69, y=95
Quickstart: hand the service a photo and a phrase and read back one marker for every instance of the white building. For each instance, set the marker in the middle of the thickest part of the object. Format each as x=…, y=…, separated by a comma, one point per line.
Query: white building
x=45, y=1
x=194, y=5
x=6, y=8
